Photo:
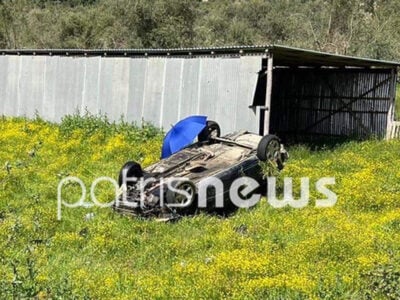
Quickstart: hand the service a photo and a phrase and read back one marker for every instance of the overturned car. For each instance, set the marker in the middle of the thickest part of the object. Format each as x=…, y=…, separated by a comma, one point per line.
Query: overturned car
x=215, y=174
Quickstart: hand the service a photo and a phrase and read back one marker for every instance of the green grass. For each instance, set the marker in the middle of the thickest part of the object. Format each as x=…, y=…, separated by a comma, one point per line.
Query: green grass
x=348, y=251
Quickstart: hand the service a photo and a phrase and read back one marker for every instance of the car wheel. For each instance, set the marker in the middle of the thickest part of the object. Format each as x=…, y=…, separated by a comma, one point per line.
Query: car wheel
x=178, y=199
x=211, y=130
x=269, y=148
x=132, y=169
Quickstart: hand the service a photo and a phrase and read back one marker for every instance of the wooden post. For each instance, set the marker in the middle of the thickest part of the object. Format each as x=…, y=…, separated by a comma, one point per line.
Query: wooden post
x=268, y=94
x=390, y=117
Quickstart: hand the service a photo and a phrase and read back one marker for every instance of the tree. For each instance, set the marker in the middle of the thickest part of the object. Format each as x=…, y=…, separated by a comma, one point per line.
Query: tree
x=355, y=27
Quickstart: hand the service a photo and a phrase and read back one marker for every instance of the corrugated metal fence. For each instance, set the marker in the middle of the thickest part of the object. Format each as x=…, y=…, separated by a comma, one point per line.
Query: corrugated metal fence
x=394, y=132
x=159, y=90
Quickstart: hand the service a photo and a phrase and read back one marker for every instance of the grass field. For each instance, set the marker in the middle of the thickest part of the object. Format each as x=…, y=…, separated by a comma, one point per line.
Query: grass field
x=349, y=251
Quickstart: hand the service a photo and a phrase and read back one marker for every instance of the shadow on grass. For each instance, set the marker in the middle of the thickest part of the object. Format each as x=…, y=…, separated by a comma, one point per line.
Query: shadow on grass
x=321, y=142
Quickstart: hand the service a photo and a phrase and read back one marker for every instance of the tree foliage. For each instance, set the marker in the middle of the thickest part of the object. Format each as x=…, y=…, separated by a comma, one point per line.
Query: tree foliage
x=356, y=27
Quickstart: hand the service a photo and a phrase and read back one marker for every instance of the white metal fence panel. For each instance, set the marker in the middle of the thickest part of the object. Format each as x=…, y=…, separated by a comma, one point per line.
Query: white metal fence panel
x=160, y=90
x=395, y=131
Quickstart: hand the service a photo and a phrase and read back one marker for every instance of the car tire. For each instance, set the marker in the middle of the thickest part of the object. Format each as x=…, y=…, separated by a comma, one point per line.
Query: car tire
x=212, y=129
x=173, y=197
x=269, y=148
x=132, y=169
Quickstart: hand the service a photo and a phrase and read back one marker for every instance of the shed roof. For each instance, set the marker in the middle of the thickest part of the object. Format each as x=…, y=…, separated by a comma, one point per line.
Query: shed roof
x=283, y=55
x=294, y=56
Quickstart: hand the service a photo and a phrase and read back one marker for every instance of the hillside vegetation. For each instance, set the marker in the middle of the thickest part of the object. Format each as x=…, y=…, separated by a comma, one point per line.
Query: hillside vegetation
x=357, y=27
x=348, y=251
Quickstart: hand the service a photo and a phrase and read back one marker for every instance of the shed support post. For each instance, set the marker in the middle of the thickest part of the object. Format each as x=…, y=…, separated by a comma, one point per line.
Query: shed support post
x=390, y=117
x=268, y=94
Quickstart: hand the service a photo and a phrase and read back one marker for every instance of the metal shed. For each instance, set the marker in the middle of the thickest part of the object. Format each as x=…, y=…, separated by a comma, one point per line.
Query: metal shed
x=314, y=93
x=266, y=89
